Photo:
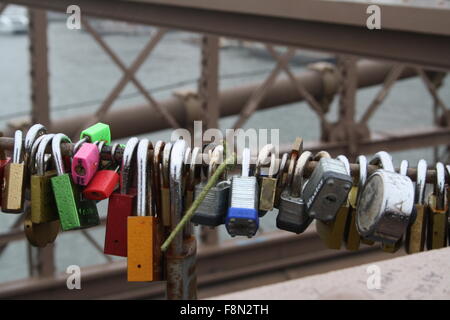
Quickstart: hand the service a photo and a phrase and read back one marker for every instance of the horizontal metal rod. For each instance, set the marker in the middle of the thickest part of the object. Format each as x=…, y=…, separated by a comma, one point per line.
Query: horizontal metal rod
x=129, y=121
x=67, y=150
x=399, y=44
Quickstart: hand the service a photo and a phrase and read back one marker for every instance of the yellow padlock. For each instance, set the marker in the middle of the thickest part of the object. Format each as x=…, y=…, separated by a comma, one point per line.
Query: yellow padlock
x=143, y=260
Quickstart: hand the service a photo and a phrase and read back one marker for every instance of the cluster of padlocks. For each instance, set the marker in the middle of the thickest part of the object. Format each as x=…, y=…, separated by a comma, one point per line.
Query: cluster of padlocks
x=150, y=182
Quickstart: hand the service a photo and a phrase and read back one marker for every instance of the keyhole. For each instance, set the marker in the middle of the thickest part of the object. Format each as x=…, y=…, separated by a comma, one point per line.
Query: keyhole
x=79, y=169
x=139, y=266
x=330, y=199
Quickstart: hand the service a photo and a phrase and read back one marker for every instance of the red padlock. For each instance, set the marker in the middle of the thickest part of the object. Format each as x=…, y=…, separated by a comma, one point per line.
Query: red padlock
x=122, y=204
x=102, y=185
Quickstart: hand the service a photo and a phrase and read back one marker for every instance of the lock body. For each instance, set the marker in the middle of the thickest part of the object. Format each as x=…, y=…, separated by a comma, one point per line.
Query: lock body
x=385, y=207
x=142, y=261
x=267, y=194
x=327, y=189
x=352, y=238
x=43, y=205
x=416, y=231
x=165, y=202
x=85, y=163
x=13, y=190
x=212, y=211
x=102, y=185
x=292, y=215
x=437, y=225
x=74, y=213
x=332, y=232
x=242, y=216
x=39, y=234
x=120, y=207
x=97, y=132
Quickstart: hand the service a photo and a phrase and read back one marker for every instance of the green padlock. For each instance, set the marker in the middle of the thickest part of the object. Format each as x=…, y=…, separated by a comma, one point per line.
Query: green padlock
x=97, y=132
x=74, y=211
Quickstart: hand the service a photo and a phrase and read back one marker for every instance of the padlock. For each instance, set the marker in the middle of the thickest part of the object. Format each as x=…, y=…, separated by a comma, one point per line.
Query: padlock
x=121, y=205
x=34, y=133
x=85, y=163
x=213, y=209
x=386, y=203
x=43, y=205
x=4, y=160
x=352, y=238
x=416, y=232
x=436, y=212
x=327, y=188
x=165, y=193
x=14, y=179
x=143, y=263
x=97, y=132
x=156, y=176
x=332, y=232
x=282, y=177
x=268, y=182
x=242, y=217
x=39, y=234
x=74, y=211
x=292, y=215
x=104, y=181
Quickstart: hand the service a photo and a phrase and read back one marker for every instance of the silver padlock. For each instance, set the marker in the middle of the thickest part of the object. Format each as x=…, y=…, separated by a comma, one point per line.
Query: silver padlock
x=242, y=216
x=386, y=203
x=292, y=215
x=213, y=209
x=327, y=188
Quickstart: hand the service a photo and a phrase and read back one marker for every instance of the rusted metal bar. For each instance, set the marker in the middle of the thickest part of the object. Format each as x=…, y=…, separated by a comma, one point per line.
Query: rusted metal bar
x=258, y=95
x=129, y=75
x=40, y=108
x=301, y=89
x=139, y=119
x=208, y=91
x=333, y=26
x=228, y=262
x=391, y=78
x=66, y=148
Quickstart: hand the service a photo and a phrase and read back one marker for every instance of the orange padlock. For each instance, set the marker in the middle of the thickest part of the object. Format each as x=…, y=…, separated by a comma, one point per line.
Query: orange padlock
x=143, y=254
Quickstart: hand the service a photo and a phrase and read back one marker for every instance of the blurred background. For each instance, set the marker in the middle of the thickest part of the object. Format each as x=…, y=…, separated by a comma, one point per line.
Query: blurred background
x=60, y=77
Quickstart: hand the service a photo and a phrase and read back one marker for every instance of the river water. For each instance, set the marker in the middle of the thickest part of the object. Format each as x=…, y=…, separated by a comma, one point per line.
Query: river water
x=81, y=75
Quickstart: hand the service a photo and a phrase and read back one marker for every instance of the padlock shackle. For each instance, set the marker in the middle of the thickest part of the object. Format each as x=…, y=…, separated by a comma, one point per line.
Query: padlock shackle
x=79, y=144
x=439, y=187
x=125, y=175
x=321, y=154
x=215, y=160
x=166, y=164
x=297, y=181
x=245, y=162
x=18, y=147
x=419, y=196
x=176, y=191
x=383, y=160
x=194, y=169
x=32, y=155
x=362, y=161
x=142, y=209
x=33, y=133
x=403, y=170
x=40, y=154
x=346, y=163
x=56, y=152
x=267, y=151
x=113, y=154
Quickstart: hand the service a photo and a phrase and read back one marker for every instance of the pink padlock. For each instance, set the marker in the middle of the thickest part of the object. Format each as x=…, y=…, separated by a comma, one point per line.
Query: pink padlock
x=85, y=163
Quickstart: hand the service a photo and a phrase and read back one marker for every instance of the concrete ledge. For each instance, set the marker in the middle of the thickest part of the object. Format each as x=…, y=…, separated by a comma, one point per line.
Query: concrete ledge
x=424, y=275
